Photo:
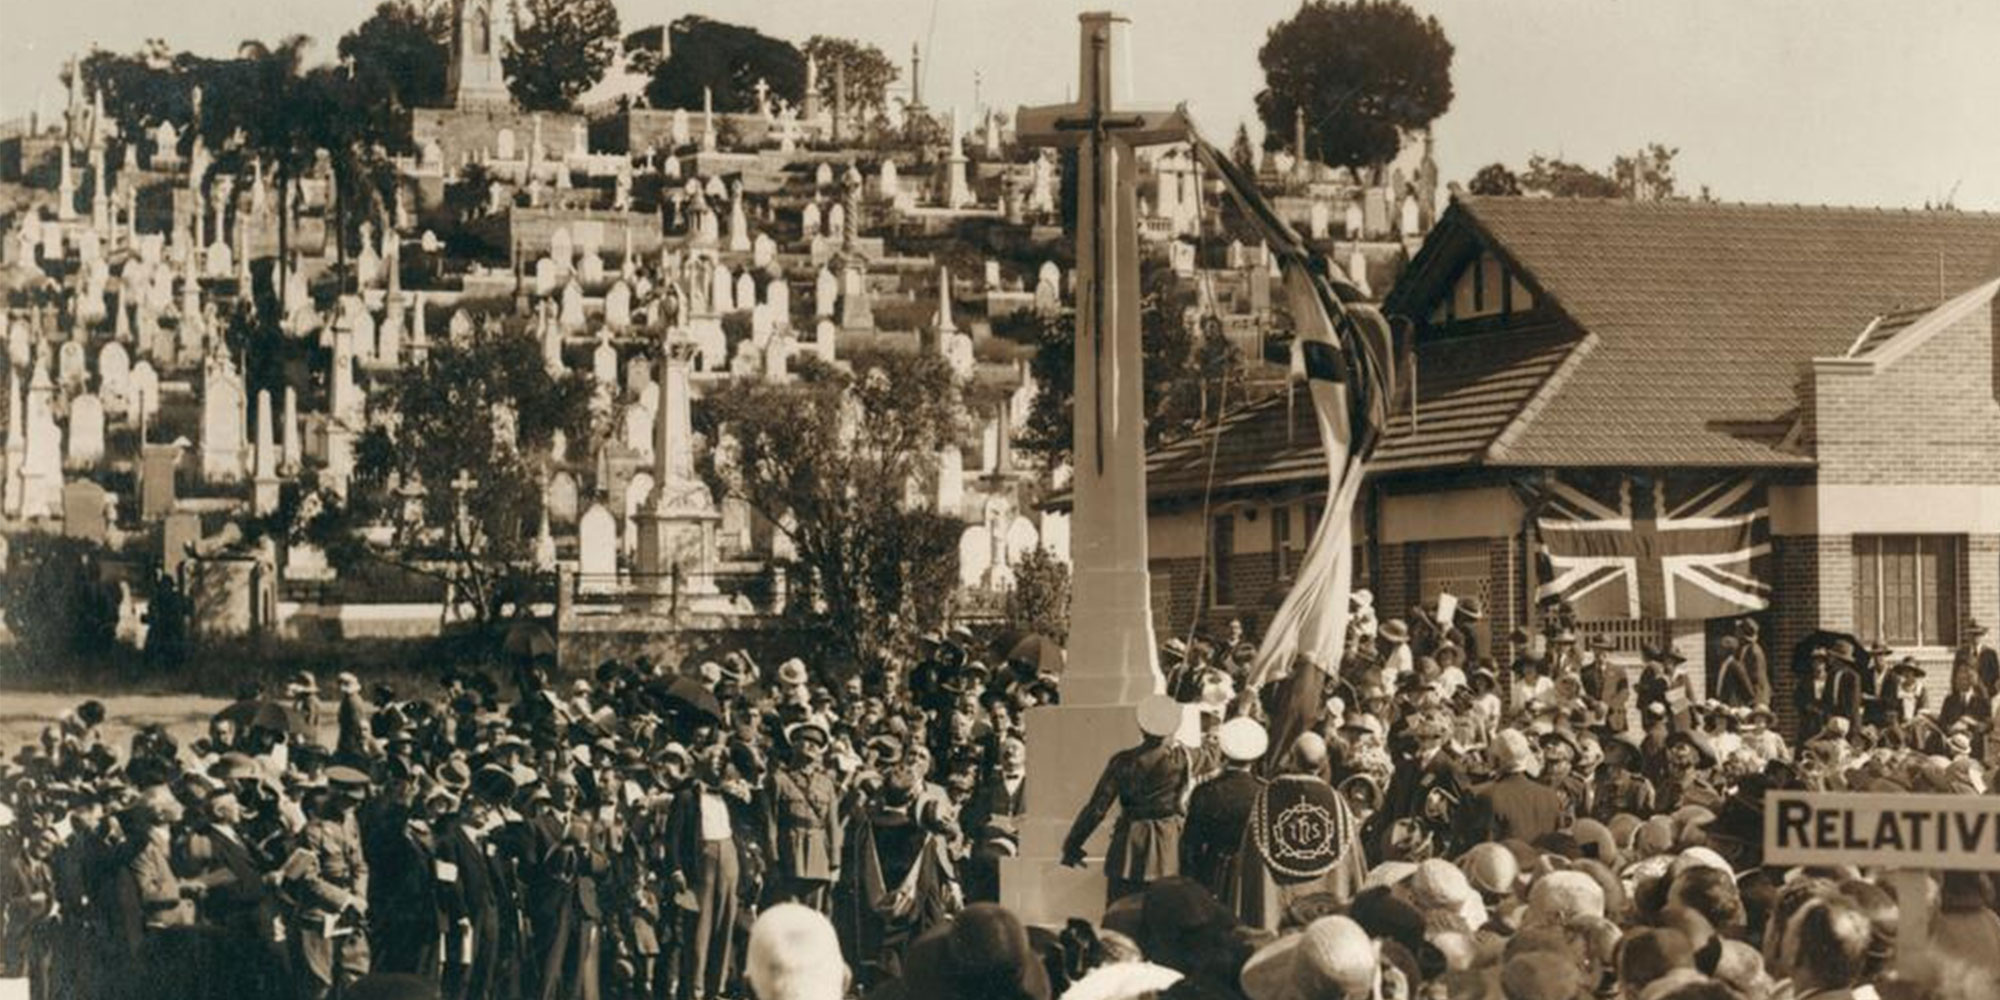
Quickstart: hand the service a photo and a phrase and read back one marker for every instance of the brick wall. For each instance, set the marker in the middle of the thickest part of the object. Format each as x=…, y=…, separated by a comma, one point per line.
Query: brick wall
x=1929, y=417
x=1981, y=572
x=462, y=131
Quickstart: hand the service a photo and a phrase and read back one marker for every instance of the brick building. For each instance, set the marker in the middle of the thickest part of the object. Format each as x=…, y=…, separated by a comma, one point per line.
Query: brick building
x=1845, y=360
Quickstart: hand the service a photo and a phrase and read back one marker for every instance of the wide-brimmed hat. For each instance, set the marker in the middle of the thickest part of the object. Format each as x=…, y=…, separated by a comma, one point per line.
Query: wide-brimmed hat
x=1332, y=957
x=303, y=683
x=1472, y=609
x=1840, y=651
x=1601, y=641
x=1695, y=740
x=799, y=733
x=1159, y=715
x=1243, y=740
x=792, y=673
x=1509, y=752
x=975, y=952
x=1394, y=630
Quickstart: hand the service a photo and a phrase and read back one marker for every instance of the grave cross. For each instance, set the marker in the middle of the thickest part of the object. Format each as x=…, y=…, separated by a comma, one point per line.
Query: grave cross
x=460, y=486
x=1108, y=266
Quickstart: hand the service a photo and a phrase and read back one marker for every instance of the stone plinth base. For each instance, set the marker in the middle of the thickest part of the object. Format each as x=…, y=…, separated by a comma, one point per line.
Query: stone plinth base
x=1067, y=750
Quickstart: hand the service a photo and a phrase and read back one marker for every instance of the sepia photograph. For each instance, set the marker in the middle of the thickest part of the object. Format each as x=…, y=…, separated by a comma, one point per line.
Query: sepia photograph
x=1000, y=500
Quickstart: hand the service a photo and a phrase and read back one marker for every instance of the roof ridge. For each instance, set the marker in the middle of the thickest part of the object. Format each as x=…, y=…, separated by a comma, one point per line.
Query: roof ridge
x=1718, y=206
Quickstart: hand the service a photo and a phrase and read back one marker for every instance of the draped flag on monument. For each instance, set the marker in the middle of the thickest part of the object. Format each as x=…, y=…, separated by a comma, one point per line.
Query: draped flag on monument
x=1352, y=361
x=1618, y=546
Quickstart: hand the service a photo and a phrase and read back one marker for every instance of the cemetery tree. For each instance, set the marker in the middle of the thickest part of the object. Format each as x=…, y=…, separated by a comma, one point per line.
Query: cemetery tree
x=54, y=601
x=1039, y=601
x=1242, y=153
x=1646, y=175
x=461, y=496
x=1494, y=179
x=560, y=49
x=728, y=60
x=1191, y=371
x=1364, y=72
x=870, y=72
x=406, y=47
x=834, y=455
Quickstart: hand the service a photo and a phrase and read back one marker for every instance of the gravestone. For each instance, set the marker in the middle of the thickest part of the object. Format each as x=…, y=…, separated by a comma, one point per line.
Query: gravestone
x=157, y=493
x=114, y=378
x=825, y=335
x=823, y=175
x=722, y=290
x=548, y=276
x=975, y=556
x=836, y=221
x=826, y=293
x=86, y=432
x=182, y=532
x=1055, y=535
x=638, y=430
x=746, y=290
x=763, y=250
x=992, y=276
x=618, y=305
x=809, y=220
x=87, y=511
x=604, y=360
x=591, y=270
x=562, y=247
x=778, y=295
x=222, y=431
x=638, y=374
x=572, y=317
x=950, y=481
x=562, y=498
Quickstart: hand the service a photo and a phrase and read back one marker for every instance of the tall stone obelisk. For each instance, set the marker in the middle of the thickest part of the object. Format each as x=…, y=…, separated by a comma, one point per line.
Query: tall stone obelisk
x=1112, y=659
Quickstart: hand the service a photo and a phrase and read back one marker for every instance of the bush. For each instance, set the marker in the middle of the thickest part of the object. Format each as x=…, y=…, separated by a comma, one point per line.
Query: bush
x=56, y=601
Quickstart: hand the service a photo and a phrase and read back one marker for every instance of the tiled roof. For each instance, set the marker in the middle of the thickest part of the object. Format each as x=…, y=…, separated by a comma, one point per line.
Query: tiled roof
x=1470, y=389
x=1707, y=315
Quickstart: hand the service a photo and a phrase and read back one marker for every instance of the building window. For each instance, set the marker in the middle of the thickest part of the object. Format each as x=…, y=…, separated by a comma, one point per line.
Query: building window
x=1906, y=589
x=1221, y=545
x=1281, y=543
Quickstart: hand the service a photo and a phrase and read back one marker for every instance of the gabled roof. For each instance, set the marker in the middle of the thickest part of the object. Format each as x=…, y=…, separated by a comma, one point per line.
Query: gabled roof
x=1890, y=337
x=1706, y=316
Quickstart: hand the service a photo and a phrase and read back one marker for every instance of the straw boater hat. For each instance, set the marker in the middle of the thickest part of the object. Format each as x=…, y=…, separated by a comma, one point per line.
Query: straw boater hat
x=1159, y=715
x=1394, y=630
x=792, y=673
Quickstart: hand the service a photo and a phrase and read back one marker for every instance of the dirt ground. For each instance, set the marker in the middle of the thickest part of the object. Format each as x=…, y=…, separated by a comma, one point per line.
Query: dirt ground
x=23, y=715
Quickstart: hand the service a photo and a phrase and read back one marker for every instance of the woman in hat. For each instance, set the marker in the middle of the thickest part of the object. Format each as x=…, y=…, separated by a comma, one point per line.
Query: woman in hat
x=1905, y=698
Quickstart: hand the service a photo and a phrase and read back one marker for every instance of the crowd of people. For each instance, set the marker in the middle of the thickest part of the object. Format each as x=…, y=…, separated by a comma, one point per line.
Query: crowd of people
x=1416, y=821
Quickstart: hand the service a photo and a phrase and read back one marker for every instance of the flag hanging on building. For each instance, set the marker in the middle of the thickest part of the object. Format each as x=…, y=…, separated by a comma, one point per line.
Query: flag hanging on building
x=1630, y=547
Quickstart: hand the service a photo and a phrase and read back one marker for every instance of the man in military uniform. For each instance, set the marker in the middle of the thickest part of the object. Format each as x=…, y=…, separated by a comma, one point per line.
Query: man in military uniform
x=1149, y=784
x=1427, y=787
x=1689, y=759
x=1219, y=808
x=804, y=825
x=328, y=877
x=1620, y=788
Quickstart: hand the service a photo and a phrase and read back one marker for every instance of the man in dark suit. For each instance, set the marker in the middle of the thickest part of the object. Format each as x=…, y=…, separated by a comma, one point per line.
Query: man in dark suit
x=1219, y=808
x=1985, y=661
x=1514, y=806
x=1606, y=688
x=1429, y=785
x=237, y=903
x=1848, y=692
x=1812, y=696
x=1751, y=654
x=465, y=880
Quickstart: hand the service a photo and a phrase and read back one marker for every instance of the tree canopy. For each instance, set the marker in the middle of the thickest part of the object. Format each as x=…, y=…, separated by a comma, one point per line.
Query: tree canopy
x=1364, y=71
x=1647, y=174
x=478, y=538
x=727, y=59
x=869, y=72
x=406, y=49
x=833, y=456
x=1189, y=374
x=560, y=49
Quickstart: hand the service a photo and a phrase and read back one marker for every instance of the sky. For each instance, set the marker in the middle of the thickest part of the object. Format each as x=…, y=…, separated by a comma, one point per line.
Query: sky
x=1836, y=102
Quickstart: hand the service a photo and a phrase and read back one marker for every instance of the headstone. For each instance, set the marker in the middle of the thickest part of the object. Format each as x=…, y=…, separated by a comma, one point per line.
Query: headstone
x=722, y=294
x=114, y=378
x=222, y=413
x=826, y=293
x=778, y=295
x=992, y=275
x=291, y=447
x=264, y=463
x=86, y=432
x=1022, y=538
x=72, y=366
x=887, y=185
x=389, y=335
x=87, y=511
x=763, y=250
x=950, y=481
x=1318, y=220
x=548, y=276
x=746, y=290
x=825, y=337
x=562, y=498
x=809, y=220
x=1055, y=535
x=597, y=546
x=591, y=269
x=975, y=556
x=604, y=360
x=562, y=247
x=177, y=538
x=157, y=493
x=823, y=175
x=572, y=317
x=1410, y=219
x=639, y=430
x=618, y=305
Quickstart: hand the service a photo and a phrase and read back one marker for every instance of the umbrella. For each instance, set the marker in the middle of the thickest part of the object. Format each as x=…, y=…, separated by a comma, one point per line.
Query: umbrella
x=1038, y=651
x=1824, y=639
x=684, y=694
x=528, y=641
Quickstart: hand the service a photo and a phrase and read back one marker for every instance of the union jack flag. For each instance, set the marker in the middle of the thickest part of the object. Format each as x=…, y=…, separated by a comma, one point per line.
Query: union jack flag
x=1620, y=546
